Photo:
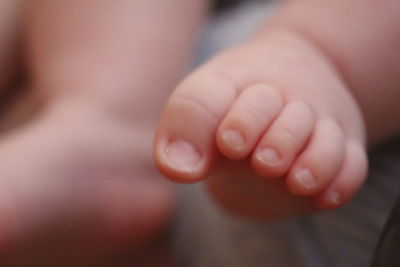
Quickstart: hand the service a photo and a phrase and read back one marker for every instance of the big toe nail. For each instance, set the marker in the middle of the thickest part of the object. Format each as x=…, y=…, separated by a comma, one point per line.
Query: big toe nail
x=182, y=156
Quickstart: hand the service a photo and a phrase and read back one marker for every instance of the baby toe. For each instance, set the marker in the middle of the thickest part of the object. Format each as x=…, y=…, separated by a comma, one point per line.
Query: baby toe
x=321, y=160
x=185, y=147
x=349, y=179
x=247, y=119
x=283, y=140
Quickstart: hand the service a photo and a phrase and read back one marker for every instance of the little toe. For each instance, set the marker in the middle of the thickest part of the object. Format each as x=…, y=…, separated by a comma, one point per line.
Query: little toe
x=349, y=179
x=284, y=140
x=247, y=119
x=320, y=162
x=185, y=146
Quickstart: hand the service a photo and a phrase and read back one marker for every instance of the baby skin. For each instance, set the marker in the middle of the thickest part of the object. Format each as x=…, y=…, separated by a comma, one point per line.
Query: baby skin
x=278, y=126
x=81, y=163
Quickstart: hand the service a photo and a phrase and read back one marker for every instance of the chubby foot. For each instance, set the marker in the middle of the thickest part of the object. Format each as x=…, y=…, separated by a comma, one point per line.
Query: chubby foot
x=278, y=105
x=77, y=173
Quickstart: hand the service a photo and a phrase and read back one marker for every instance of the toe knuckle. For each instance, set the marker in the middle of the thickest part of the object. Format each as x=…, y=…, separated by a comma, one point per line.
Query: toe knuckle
x=196, y=103
x=287, y=134
x=251, y=112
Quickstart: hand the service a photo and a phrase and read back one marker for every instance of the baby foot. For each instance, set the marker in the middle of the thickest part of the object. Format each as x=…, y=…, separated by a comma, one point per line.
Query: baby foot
x=77, y=168
x=279, y=102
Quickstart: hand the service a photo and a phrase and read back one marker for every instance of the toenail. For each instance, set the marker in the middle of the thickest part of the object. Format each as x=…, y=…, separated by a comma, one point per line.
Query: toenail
x=334, y=198
x=269, y=157
x=182, y=156
x=233, y=139
x=306, y=178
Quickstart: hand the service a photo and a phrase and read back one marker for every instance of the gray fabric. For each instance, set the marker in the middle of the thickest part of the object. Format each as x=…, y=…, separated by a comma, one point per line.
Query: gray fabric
x=387, y=251
x=342, y=238
x=220, y=5
x=206, y=237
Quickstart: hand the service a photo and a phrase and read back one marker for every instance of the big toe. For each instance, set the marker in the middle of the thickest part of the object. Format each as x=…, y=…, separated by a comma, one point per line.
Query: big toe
x=185, y=148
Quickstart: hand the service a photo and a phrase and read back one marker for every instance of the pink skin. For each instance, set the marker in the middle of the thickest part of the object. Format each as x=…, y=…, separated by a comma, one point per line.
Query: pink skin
x=76, y=150
x=85, y=76
x=294, y=104
x=106, y=178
